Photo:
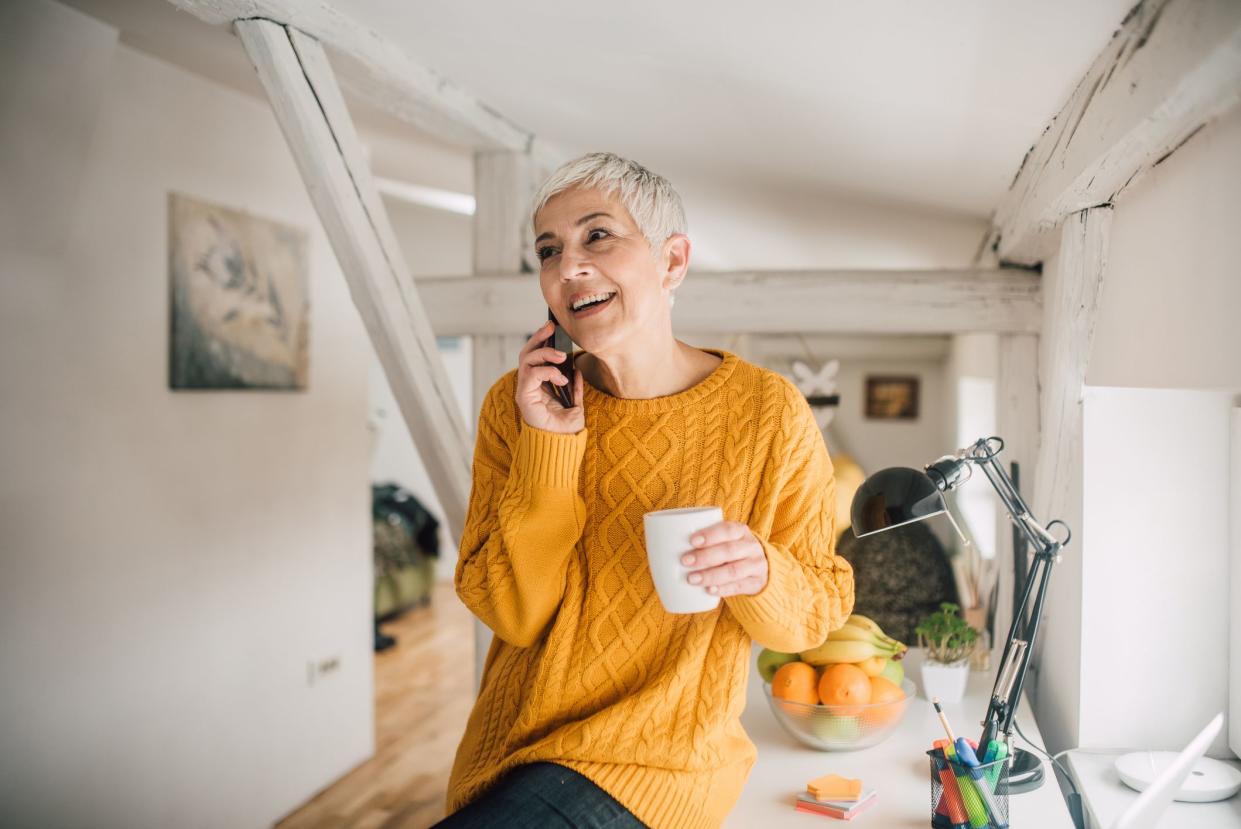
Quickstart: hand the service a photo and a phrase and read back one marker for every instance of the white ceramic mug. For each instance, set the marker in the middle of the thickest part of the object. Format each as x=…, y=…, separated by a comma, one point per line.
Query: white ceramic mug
x=667, y=539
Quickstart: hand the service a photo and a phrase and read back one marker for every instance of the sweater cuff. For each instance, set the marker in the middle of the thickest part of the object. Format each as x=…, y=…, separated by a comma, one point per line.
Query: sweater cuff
x=549, y=459
x=775, y=607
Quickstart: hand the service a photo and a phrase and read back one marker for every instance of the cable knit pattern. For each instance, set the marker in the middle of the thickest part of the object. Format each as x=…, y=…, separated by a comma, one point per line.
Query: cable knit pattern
x=587, y=669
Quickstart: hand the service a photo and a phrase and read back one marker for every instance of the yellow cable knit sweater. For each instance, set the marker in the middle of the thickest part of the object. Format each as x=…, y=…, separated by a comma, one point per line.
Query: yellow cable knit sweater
x=587, y=669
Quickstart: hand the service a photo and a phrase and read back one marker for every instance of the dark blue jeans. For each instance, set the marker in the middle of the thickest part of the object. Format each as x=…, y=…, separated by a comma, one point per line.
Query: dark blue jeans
x=542, y=796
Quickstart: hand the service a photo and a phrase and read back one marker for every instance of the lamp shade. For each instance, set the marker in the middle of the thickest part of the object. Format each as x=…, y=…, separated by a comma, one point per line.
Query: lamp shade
x=892, y=497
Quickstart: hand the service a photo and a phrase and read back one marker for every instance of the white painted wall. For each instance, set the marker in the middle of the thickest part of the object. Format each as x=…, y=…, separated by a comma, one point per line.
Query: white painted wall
x=1155, y=616
x=969, y=404
x=1167, y=321
x=1172, y=294
x=877, y=444
x=169, y=562
x=1234, y=589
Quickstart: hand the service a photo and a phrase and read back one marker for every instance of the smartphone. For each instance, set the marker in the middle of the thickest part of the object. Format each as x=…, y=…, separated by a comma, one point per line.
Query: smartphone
x=560, y=341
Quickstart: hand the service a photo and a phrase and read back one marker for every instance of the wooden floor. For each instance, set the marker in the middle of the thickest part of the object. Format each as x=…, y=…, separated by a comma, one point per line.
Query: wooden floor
x=424, y=688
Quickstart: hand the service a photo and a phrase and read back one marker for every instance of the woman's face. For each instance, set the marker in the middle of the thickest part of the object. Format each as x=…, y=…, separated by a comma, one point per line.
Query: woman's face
x=589, y=246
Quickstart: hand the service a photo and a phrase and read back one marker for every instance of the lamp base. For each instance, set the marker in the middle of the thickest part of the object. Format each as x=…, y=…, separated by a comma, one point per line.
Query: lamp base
x=1026, y=773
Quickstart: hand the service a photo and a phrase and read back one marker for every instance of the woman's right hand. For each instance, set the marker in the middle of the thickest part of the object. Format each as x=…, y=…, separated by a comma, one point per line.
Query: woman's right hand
x=538, y=407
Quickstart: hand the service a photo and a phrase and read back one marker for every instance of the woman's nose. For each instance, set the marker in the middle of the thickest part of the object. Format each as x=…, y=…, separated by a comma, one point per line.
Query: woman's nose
x=572, y=267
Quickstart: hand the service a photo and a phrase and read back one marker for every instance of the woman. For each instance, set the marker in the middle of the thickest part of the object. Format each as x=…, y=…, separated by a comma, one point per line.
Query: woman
x=597, y=707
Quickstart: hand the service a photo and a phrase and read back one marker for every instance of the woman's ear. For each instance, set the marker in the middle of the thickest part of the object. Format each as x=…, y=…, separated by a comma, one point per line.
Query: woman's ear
x=675, y=261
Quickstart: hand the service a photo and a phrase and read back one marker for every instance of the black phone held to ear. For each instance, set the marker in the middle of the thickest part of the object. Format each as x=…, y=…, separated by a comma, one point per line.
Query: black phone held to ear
x=560, y=341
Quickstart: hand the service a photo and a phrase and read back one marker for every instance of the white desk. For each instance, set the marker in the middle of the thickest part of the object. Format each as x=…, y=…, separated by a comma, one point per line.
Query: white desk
x=1105, y=797
x=898, y=767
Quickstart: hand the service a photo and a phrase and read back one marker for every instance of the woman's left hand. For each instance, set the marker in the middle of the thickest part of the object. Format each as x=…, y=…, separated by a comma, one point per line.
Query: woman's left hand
x=727, y=560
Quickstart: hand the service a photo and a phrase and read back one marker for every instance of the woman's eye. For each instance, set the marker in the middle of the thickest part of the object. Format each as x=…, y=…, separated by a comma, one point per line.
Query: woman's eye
x=543, y=253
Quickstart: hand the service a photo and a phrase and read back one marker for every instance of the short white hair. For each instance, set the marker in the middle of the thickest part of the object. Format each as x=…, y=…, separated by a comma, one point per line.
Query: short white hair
x=650, y=199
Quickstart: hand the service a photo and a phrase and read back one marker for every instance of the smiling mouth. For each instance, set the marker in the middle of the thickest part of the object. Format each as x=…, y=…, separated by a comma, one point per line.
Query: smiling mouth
x=596, y=304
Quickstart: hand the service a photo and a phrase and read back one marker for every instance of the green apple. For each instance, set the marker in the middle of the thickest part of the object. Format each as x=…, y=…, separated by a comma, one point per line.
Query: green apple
x=893, y=672
x=769, y=662
x=832, y=729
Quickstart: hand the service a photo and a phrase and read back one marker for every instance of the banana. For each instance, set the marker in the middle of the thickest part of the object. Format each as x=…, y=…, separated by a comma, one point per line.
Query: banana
x=866, y=623
x=836, y=650
x=849, y=633
x=858, y=620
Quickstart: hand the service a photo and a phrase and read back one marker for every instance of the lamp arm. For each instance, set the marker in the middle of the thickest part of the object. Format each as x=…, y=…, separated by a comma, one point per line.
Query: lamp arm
x=947, y=471
x=1003, y=706
x=1014, y=503
x=1046, y=558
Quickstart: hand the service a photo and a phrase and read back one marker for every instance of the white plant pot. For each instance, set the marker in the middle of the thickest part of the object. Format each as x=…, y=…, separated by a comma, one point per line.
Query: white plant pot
x=945, y=682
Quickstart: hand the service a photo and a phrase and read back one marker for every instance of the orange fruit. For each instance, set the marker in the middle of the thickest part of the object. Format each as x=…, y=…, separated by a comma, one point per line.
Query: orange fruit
x=885, y=692
x=845, y=687
x=795, y=682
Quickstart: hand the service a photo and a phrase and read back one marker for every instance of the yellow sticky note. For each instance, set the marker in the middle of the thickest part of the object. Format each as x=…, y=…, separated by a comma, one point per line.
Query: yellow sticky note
x=834, y=787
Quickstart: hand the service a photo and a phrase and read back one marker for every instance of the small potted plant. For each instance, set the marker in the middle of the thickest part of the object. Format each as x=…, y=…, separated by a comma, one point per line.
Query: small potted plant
x=948, y=641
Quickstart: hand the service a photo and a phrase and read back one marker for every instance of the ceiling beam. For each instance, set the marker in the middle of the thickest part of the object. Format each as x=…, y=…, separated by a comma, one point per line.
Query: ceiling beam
x=312, y=114
x=817, y=348
x=855, y=302
x=374, y=69
x=1172, y=66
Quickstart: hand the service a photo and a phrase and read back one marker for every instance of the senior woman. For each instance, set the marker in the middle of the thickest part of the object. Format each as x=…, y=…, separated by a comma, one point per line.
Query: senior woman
x=598, y=707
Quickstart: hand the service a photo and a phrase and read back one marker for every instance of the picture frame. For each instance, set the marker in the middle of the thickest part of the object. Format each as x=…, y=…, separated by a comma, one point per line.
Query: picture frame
x=240, y=299
x=892, y=397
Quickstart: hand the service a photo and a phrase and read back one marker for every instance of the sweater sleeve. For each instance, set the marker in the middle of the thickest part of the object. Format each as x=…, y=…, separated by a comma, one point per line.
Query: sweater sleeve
x=809, y=590
x=524, y=520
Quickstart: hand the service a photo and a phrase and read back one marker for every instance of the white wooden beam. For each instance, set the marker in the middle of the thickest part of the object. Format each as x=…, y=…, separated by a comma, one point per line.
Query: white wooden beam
x=819, y=348
x=376, y=70
x=503, y=187
x=1073, y=294
x=862, y=302
x=504, y=183
x=311, y=112
x=1072, y=312
x=1017, y=422
x=1171, y=67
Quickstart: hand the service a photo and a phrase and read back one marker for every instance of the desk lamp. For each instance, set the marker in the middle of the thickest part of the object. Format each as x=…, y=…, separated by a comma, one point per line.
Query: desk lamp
x=899, y=495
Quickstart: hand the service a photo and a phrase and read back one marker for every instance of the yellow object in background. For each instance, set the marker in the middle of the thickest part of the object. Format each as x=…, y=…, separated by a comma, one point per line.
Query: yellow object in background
x=849, y=478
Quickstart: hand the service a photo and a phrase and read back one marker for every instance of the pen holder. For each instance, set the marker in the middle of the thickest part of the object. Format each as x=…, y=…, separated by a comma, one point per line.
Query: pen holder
x=965, y=798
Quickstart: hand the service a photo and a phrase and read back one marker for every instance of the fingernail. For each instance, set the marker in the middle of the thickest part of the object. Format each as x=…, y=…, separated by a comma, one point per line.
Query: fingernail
x=695, y=578
x=697, y=540
x=687, y=560
x=711, y=589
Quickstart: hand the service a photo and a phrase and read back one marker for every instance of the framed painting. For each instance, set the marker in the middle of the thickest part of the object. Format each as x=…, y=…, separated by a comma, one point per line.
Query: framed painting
x=240, y=299
x=892, y=398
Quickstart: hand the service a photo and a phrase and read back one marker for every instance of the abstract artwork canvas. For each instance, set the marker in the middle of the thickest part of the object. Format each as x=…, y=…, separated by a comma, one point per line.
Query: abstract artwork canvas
x=240, y=299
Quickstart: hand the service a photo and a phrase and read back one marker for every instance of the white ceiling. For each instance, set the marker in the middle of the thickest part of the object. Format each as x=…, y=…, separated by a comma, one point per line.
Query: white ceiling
x=929, y=104
x=918, y=109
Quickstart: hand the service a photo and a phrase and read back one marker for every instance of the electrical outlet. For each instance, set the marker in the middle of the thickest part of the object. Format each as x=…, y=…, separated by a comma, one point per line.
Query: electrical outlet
x=316, y=670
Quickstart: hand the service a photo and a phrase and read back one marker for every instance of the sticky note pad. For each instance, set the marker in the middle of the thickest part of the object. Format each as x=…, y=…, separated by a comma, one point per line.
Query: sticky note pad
x=834, y=787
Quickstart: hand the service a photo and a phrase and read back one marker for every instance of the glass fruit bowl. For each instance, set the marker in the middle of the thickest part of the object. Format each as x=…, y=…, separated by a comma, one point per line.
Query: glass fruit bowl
x=840, y=727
